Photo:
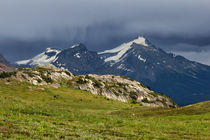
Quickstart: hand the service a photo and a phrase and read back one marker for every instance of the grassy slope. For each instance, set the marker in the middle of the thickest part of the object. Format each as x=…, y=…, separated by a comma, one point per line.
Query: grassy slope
x=28, y=111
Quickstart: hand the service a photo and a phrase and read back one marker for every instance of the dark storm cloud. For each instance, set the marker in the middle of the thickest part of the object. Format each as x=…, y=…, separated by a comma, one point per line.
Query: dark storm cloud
x=30, y=26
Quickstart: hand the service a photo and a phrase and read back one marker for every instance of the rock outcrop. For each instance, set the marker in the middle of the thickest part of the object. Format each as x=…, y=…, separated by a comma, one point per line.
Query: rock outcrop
x=110, y=86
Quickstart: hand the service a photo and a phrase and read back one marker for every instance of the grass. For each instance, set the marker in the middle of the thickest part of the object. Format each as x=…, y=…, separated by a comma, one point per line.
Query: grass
x=33, y=112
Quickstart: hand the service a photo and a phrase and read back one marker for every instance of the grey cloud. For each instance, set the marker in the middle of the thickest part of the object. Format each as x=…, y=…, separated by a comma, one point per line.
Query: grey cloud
x=29, y=19
x=172, y=25
x=203, y=58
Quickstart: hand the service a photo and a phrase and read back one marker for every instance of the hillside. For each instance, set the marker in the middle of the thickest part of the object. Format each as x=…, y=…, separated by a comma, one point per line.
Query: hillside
x=41, y=112
x=110, y=86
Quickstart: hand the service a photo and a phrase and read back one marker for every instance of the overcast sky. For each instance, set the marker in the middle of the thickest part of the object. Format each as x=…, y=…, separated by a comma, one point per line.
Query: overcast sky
x=28, y=27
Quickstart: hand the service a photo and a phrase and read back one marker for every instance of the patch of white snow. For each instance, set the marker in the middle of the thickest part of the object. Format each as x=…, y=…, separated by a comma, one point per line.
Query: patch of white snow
x=77, y=55
x=122, y=49
x=141, y=59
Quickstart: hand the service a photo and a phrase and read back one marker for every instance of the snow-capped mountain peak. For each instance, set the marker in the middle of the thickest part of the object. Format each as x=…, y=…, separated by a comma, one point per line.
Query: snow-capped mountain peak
x=46, y=57
x=141, y=41
x=117, y=53
x=48, y=50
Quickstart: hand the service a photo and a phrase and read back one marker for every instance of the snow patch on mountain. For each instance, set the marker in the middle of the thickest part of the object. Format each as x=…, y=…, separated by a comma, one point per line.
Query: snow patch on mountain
x=77, y=55
x=122, y=49
x=44, y=58
x=122, y=67
x=141, y=59
x=23, y=62
x=74, y=46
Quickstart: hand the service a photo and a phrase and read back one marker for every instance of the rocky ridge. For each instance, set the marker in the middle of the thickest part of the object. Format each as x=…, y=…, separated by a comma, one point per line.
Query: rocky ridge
x=110, y=86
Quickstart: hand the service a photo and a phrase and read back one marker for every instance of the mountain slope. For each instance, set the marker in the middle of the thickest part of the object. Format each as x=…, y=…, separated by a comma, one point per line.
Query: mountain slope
x=5, y=65
x=45, y=57
x=79, y=60
x=185, y=81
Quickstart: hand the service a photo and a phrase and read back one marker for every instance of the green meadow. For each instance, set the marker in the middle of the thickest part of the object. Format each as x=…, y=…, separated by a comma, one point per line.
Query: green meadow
x=41, y=112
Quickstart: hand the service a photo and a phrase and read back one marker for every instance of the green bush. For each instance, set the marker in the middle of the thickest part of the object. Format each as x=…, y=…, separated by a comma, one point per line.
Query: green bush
x=116, y=93
x=145, y=100
x=68, y=73
x=7, y=74
x=163, y=101
x=121, y=84
x=24, y=77
x=69, y=83
x=81, y=81
x=133, y=96
x=96, y=83
x=29, y=72
x=47, y=79
x=153, y=94
x=20, y=69
x=39, y=80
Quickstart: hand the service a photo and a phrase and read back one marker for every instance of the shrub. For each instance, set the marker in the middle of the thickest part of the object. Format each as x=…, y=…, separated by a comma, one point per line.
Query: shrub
x=88, y=77
x=145, y=100
x=47, y=79
x=81, y=81
x=68, y=73
x=116, y=93
x=96, y=83
x=69, y=83
x=125, y=88
x=24, y=77
x=133, y=96
x=153, y=94
x=20, y=69
x=148, y=87
x=163, y=101
x=30, y=73
x=119, y=91
x=121, y=84
x=7, y=74
x=124, y=94
x=39, y=80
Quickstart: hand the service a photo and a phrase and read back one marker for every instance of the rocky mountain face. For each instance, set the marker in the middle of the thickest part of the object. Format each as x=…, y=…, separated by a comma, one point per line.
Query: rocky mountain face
x=5, y=65
x=79, y=60
x=112, y=87
x=184, y=81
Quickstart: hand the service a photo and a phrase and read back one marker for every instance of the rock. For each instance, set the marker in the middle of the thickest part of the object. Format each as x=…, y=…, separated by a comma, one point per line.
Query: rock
x=110, y=86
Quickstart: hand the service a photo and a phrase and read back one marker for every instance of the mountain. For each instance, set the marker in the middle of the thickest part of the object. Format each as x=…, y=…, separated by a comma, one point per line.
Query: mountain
x=79, y=60
x=45, y=57
x=4, y=64
x=184, y=81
